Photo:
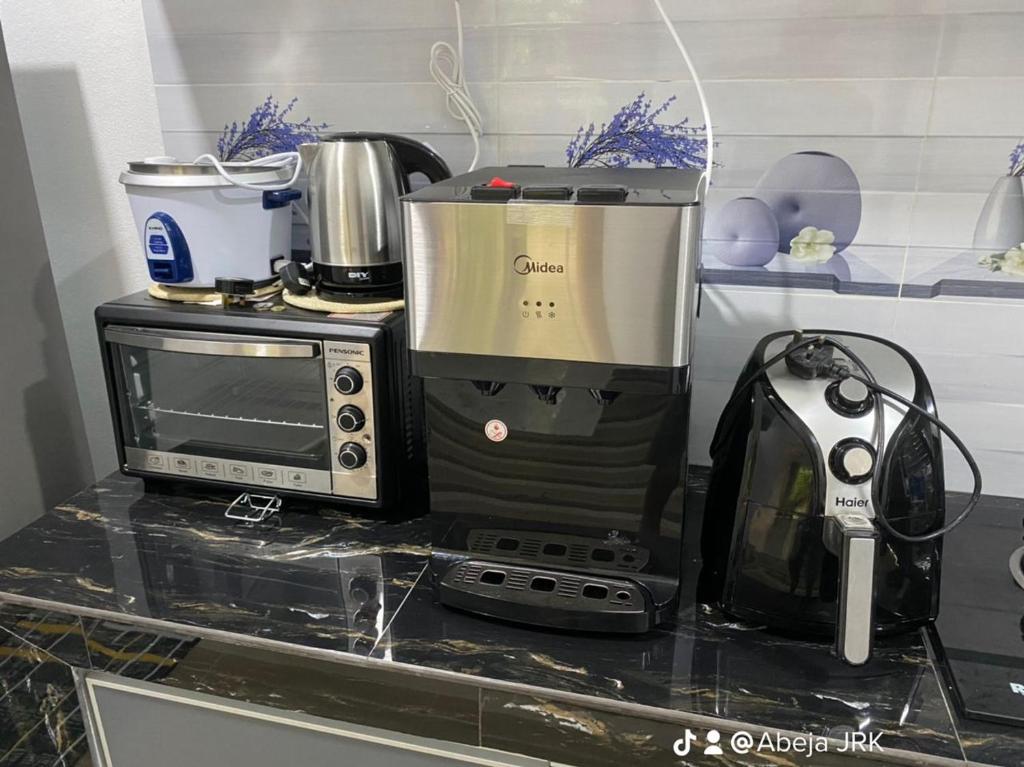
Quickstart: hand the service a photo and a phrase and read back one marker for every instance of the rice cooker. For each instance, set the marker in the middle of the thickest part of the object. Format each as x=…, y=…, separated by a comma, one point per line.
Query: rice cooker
x=205, y=220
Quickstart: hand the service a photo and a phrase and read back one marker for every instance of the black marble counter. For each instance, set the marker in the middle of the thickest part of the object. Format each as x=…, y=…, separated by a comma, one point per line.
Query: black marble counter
x=333, y=615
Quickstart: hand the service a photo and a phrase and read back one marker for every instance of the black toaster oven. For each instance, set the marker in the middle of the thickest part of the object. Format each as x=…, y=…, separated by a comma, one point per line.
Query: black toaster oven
x=266, y=398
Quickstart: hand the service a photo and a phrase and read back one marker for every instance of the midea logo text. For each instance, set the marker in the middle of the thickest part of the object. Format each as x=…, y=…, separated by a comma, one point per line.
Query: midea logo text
x=526, y=265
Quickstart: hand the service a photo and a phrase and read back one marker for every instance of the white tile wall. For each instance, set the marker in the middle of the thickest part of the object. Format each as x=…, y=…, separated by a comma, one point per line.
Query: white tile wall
x=921, y=97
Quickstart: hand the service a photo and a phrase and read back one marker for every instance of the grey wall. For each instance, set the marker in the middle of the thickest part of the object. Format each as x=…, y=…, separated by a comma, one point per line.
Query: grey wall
x=43, y=453
x=85, y=94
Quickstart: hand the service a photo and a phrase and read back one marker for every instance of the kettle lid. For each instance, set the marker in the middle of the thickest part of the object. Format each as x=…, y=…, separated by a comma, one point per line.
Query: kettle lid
x=357, y=135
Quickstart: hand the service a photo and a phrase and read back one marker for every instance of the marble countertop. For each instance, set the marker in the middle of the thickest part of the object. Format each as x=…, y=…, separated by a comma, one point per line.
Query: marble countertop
x=325, y=596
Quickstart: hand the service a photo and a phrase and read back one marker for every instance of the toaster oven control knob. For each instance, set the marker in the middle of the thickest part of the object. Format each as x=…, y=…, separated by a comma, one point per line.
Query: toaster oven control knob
x=348, y=380
x=849, y=397
x=351, y=455
x=351, y=418
x=852, y=461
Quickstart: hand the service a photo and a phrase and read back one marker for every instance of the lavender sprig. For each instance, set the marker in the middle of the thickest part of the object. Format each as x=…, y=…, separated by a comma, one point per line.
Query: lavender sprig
x=266, y=132
x=1017, y=160
x=635, y=136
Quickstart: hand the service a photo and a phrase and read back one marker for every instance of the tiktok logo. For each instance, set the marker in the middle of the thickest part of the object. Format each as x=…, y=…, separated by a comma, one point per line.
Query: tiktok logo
x=682, y=746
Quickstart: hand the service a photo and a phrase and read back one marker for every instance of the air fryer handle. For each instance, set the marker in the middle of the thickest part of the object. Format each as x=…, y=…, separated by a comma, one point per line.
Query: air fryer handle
x=854, y=539
x=417, y=157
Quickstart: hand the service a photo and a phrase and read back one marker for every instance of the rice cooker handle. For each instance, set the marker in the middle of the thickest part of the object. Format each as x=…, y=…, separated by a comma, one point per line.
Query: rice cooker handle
x=280, y=198
x=417, y=157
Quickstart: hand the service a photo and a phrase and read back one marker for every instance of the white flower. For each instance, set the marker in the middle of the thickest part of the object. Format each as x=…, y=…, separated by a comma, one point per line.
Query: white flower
x=813, y=244
x=1013, y=261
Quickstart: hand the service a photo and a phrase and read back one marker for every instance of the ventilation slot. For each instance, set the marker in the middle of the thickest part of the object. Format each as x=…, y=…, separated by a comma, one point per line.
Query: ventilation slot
x=569, y=587
x=530, y=548
x=578, y=554
x=485, y=542
x=517, y=580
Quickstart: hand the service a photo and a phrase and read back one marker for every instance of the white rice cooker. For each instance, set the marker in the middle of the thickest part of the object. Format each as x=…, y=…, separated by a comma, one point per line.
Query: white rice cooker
x=206, y=220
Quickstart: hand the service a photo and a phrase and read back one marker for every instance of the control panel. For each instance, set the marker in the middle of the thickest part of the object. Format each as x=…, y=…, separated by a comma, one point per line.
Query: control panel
x=349, y=372
x=841, y=416
x=248, y=473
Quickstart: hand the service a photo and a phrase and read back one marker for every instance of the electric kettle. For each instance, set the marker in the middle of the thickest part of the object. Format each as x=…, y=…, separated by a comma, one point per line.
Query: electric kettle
x=826, y=502
x=355, y=221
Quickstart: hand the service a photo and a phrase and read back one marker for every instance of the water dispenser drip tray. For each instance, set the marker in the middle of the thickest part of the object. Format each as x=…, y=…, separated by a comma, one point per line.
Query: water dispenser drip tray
x=568, y=600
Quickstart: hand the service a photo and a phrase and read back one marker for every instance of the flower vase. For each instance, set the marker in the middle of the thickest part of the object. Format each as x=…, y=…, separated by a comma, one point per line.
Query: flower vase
x=1001, y=223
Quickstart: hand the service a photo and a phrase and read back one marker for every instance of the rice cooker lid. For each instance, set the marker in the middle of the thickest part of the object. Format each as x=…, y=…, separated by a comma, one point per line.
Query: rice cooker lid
x=170, y=172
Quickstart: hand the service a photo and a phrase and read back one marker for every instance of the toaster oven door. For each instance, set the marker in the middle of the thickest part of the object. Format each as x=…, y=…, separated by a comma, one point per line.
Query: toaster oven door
x=243, y=409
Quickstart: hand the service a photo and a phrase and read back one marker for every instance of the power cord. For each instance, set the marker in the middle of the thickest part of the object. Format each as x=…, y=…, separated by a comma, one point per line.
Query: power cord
x=710, y=157
x=447, y=67
x=814, y=362
x=883, y=468
x=280, y=159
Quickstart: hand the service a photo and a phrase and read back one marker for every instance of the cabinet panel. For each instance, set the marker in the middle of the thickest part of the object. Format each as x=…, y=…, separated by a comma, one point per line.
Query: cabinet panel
x=139, y=723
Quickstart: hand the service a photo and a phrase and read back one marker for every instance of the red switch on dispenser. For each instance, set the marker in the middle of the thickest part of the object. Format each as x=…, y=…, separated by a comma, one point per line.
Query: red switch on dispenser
x=495, y=190
x=498, y=181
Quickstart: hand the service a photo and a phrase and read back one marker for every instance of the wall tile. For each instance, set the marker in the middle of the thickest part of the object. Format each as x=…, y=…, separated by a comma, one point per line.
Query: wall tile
x=963, y=164
x=310, y=57
x=971, y=351
x=1000, y=471
x=982, y=326
x=882, y=163
x=945, y=219
x=789, y=108
x=183, y=17
x=974, y=106
x=982, y=45
x=399, y=107
x=739, y=48
x=613, y=11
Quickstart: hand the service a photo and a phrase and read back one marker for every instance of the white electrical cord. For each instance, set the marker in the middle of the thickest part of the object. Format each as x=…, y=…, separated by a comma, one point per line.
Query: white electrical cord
x=700, y=93
x=282, y=158
x=447, y=67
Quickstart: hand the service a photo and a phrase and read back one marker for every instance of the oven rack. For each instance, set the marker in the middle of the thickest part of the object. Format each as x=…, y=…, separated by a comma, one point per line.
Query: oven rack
x=288, y=404
x=225, y=417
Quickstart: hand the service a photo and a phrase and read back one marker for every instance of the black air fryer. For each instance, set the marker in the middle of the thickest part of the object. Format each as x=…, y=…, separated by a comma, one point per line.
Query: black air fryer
x=792, y=538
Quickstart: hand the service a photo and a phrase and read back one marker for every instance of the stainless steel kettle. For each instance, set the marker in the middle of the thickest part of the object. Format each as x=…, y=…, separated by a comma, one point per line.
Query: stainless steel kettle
x=355, y=221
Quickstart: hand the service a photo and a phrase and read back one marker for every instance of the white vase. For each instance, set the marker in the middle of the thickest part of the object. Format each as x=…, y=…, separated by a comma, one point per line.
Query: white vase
x=1001, y=223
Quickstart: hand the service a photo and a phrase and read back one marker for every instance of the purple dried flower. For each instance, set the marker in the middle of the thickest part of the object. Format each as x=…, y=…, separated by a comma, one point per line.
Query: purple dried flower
x=634, y=135
x=1017, y=160
x=267, y=131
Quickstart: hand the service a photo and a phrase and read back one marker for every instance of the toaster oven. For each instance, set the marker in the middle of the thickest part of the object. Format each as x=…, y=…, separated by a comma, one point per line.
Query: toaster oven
x=274, y=399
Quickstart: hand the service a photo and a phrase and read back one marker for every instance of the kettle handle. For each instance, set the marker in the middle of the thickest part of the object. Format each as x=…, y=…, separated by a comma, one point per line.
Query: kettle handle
x=854, y=539
x=417, y=157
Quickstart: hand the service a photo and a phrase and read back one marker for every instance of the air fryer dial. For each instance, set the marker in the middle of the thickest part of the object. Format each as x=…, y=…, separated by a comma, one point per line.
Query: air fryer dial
x=849, y=397
x=852, y=461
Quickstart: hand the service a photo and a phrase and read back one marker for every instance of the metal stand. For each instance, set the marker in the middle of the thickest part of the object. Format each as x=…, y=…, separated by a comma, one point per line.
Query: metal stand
x=252, y=508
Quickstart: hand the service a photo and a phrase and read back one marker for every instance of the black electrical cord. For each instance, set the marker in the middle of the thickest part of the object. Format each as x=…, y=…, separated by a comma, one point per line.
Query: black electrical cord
x=742, y=388
x=882, y=468
x=881, y=471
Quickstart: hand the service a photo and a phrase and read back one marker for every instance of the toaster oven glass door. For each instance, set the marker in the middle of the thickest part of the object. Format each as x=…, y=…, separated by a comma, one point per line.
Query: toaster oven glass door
x=246, y=399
